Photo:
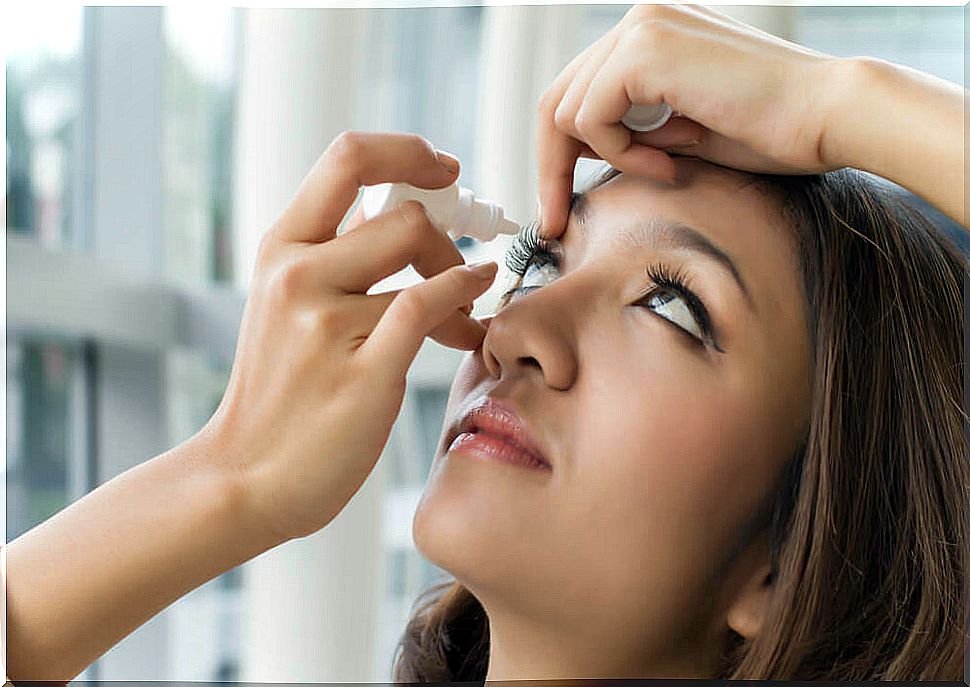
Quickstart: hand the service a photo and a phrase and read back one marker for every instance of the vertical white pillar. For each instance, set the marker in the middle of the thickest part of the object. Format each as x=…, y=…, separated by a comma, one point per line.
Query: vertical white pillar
x=298, y=78
x=523, y=49
x=311, y=605
x=124, y=60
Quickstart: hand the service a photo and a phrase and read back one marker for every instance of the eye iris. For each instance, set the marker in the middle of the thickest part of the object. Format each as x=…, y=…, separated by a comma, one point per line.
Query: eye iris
x=543, y=271
x=670, y=305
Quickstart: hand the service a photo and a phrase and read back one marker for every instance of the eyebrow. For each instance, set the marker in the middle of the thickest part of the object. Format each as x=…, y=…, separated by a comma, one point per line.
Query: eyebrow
x=669, y=233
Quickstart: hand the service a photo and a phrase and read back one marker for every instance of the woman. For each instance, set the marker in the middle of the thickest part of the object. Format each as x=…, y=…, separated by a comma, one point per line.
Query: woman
x=741, y=393
x=774, y=487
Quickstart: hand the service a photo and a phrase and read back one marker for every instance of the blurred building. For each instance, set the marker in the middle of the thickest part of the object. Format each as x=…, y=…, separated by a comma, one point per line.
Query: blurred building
x=148, y=148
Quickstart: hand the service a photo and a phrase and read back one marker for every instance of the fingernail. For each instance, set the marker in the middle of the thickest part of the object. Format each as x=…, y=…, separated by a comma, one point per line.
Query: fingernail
x=483, y=270
x=448, y=161
x=691, y=142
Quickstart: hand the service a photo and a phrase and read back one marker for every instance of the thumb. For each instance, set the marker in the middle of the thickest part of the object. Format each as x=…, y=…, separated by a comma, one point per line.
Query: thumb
x=678, y=131
x=416, y=311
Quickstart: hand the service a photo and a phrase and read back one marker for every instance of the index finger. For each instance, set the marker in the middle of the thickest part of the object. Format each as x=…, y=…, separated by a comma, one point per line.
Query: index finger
x=558, y=153
x=356, y=159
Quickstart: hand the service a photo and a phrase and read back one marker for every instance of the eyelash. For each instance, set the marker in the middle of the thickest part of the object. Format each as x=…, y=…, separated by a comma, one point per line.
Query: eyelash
x=528, y=249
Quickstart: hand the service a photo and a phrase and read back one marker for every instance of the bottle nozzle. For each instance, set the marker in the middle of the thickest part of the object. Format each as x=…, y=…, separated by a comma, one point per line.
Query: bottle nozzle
x=507, y=226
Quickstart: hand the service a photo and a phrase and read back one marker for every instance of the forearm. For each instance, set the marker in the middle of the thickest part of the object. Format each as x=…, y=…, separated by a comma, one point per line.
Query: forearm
x=903, y=125
x=81, y=581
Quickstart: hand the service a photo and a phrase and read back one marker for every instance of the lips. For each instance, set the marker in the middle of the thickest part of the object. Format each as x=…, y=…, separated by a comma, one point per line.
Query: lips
x=494, y=428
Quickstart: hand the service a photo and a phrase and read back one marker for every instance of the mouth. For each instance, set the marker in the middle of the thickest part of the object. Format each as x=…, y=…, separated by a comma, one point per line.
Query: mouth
x=494, y=431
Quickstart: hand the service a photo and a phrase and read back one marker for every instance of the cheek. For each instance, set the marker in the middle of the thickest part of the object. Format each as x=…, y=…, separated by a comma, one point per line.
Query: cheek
x=662, y=473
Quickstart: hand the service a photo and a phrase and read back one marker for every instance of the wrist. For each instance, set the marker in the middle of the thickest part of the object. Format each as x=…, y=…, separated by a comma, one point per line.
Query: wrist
x=853, y=90
x=230, y=498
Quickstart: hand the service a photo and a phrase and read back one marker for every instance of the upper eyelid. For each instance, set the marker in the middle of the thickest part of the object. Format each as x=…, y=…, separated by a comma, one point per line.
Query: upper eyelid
x=553, y=248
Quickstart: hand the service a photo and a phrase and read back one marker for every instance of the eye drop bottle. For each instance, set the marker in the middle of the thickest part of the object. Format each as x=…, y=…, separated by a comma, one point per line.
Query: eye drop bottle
x=453, y=209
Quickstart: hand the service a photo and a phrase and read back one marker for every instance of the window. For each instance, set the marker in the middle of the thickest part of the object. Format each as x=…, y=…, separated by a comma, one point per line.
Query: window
x=43, y=99
x=199, y=113
x=143, y=160
x=45, y=453
x=109, y=359
x=926, y=38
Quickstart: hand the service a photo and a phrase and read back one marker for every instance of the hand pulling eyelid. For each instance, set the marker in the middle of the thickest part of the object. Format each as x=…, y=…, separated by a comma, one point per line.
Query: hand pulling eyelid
x=456, y=211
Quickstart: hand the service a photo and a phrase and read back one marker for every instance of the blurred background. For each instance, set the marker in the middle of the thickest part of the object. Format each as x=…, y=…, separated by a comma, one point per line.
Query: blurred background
x=146, y=150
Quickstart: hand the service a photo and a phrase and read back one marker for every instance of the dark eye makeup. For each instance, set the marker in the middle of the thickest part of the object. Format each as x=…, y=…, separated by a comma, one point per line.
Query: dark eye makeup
x=529, y=250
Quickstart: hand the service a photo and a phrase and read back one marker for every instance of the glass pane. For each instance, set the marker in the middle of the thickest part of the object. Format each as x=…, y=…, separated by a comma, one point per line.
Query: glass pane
x=926, y=38
x=43, y=449
x=43, y=106
x=413, y=53
x=597, y=21
x=431, y=574
x=431, y=405
x=199, y=115
x=397, y=573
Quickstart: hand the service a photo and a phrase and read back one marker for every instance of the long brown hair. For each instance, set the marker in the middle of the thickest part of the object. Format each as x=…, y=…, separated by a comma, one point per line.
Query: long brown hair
x=869, y=522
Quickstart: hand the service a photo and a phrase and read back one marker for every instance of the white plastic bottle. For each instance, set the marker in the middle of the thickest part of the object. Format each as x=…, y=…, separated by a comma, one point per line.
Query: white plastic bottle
x=454, y=209
x=647, y=117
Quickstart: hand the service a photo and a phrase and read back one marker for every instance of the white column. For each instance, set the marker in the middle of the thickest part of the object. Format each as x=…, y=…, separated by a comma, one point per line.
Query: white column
x=311, y=605
x=299, y=73
x=124, y=60
x=523, y=49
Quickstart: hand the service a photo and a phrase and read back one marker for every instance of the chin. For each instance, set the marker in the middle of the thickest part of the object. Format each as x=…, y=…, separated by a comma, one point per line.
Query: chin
x=470, y=523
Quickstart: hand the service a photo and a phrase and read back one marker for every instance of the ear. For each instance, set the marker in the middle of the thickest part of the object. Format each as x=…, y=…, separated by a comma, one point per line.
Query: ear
x=747, y=611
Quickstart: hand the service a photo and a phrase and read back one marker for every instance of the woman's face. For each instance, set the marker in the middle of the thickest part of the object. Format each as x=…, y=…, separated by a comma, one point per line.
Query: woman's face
x=661, y=447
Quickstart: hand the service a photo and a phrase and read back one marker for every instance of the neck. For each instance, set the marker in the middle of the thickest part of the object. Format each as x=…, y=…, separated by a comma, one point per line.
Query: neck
x=522, y=649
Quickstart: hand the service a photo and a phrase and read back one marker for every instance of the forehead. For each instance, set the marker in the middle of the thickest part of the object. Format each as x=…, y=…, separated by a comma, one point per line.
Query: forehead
x=720, y=203
x=624, y=214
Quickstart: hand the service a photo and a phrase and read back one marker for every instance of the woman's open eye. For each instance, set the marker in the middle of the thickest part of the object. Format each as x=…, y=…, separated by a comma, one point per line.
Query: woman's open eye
x=537, y=274
x=671, y=305
x=533, y=259
x=672, y=299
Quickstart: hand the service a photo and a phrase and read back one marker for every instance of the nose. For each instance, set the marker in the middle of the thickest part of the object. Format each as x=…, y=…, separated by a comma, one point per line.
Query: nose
x=533, y=332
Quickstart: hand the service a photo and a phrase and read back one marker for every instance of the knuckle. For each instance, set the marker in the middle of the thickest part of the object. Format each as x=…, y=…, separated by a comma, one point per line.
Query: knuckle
x=421, y=142
x=288, y=280
x=412, y=306
x=549, y=103
x=265, y=250
x=564, y=116
x=641, y=12
x=323, y=320
x=459, y=280
x=414, y=216
x=584, y=125
x=348, y=146
x=649, y=35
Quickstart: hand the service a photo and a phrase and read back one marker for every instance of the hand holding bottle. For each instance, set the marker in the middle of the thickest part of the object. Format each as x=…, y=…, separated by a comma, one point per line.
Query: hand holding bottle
x=319, y=373
x=753, y=101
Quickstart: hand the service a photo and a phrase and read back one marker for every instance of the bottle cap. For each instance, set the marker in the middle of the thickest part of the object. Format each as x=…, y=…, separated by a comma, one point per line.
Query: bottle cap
x=647, y=117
